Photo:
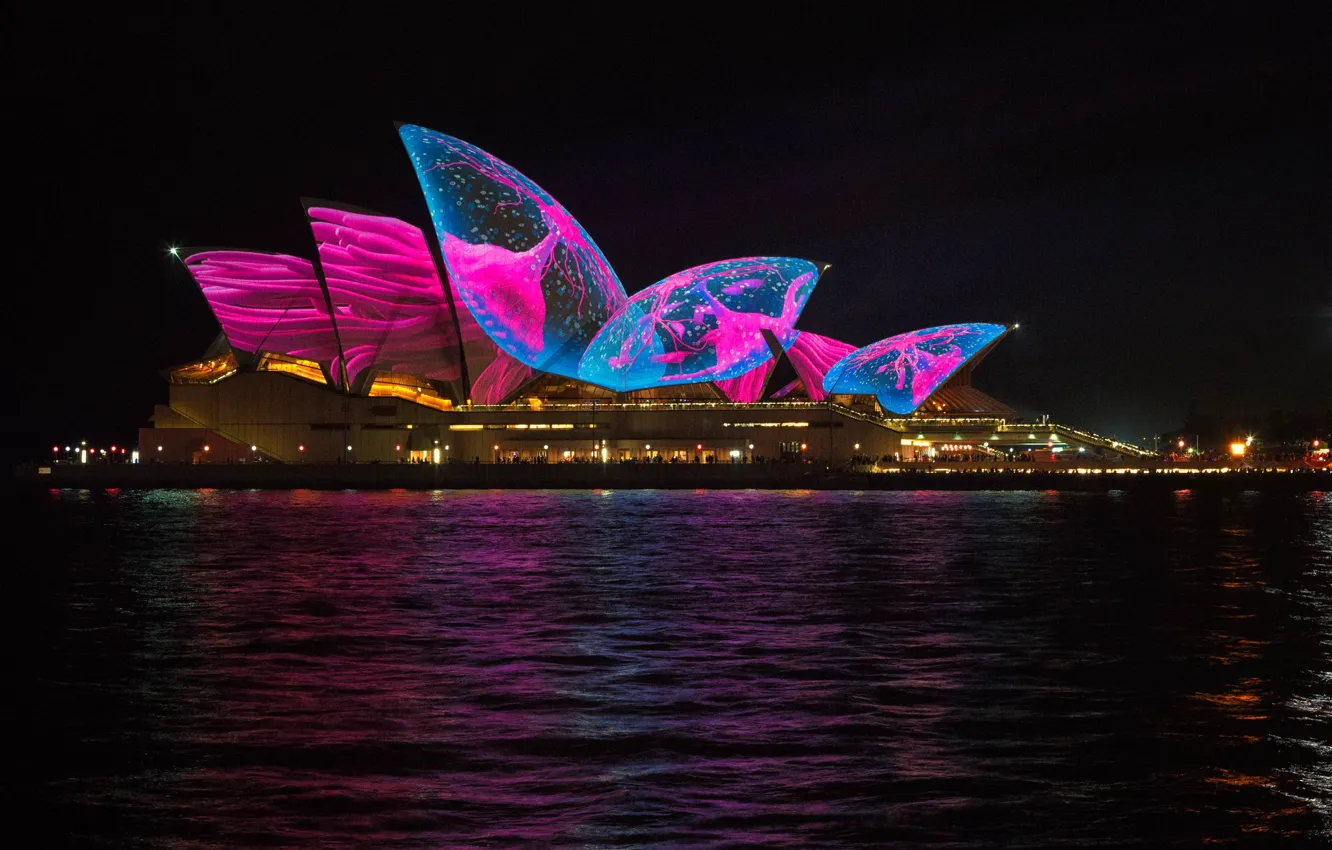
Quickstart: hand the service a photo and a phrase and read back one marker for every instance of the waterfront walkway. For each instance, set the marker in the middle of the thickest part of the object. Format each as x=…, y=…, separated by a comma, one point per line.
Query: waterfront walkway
x=372, y=476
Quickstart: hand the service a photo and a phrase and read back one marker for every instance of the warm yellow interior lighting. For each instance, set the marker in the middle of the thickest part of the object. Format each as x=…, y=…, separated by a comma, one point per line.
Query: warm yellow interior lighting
x=1238, y=449
x=406, y=392
x=205, y=371
x=306, y=369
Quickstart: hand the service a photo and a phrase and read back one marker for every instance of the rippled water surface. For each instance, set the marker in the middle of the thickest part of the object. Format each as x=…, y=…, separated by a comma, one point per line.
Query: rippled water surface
x=605, y=669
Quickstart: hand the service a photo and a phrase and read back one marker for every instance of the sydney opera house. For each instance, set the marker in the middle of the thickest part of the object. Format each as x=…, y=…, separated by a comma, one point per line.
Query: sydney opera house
x=507, y=336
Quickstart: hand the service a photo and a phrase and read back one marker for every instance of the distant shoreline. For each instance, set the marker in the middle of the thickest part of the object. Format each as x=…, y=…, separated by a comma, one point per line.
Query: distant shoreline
x=638, y=476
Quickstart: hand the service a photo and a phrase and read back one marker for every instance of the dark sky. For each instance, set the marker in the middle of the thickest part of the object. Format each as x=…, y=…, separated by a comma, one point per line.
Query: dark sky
x=1148, y=196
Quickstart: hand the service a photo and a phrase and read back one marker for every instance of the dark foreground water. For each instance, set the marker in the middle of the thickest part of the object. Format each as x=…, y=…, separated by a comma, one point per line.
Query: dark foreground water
x=604, y=669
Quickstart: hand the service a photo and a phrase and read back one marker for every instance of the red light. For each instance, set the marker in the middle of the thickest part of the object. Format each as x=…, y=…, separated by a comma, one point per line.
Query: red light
x=300, y=448
x=1316, y=444
x=397, y=448
x=113, y=448
x=57, y=448
x=1181, y=444
x=122, y=451
x=804, y=446
x=206, y=448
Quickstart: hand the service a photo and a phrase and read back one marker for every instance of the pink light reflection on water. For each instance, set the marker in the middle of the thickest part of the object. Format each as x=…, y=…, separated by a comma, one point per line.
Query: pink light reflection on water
x=798, y=669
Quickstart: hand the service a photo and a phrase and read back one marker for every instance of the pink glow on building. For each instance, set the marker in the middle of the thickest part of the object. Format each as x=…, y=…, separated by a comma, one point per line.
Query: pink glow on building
x=904, y=370
x=525, y=268
x=268, y=302
x=701, y=324
x=812, y=356
x=391, y=310
x=500, y=380
x=748, y=388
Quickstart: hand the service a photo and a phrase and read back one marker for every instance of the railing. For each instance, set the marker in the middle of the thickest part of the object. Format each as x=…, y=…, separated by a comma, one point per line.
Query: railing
x=1000, y=425
x=232, y=437
x=852, y=413
x=1104, y=442
x=596, y=406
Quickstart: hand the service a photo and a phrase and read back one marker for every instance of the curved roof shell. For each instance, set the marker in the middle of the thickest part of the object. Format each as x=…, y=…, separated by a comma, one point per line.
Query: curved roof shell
x=268, y=302
x=393, y=313
x=904, y=370
x=523, y=265
x=701, y=324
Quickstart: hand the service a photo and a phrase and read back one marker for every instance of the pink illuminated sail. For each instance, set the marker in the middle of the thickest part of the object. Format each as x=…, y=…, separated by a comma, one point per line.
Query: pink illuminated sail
x=268, y=302
x=500, y=380
x=701, y=324
x=748, y=388
x=812, y=356
x=391, y=310
x=902, y=371
x=525, y=268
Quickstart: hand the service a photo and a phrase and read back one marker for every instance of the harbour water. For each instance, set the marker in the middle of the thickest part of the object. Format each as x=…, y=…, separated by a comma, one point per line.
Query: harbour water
x=665, y=668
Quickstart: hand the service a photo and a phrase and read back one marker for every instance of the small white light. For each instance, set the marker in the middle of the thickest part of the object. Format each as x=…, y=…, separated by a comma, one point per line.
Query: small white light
x=173, y=251
x=647, y=446
x=349, y=448
x=159, y=448
x=256, y=448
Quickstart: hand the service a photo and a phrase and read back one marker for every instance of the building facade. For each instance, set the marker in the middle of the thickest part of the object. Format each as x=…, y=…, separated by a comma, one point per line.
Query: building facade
x=508, y=337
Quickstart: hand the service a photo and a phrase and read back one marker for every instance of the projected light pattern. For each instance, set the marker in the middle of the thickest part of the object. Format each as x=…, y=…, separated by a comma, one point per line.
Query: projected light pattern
x=701, y=324
x=501, y=379
x=789, y=388
x=904, y=370
x=811, y=356
x=526, y=269
x=391, y=310
x=268, y=302
x=748, y=388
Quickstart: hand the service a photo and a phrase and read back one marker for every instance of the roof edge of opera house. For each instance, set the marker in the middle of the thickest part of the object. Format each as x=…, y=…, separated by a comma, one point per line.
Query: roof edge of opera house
x=510, y=311
x=513, y=288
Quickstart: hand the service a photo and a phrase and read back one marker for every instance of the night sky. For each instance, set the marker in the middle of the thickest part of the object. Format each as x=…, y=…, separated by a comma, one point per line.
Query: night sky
x=1148, y=196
